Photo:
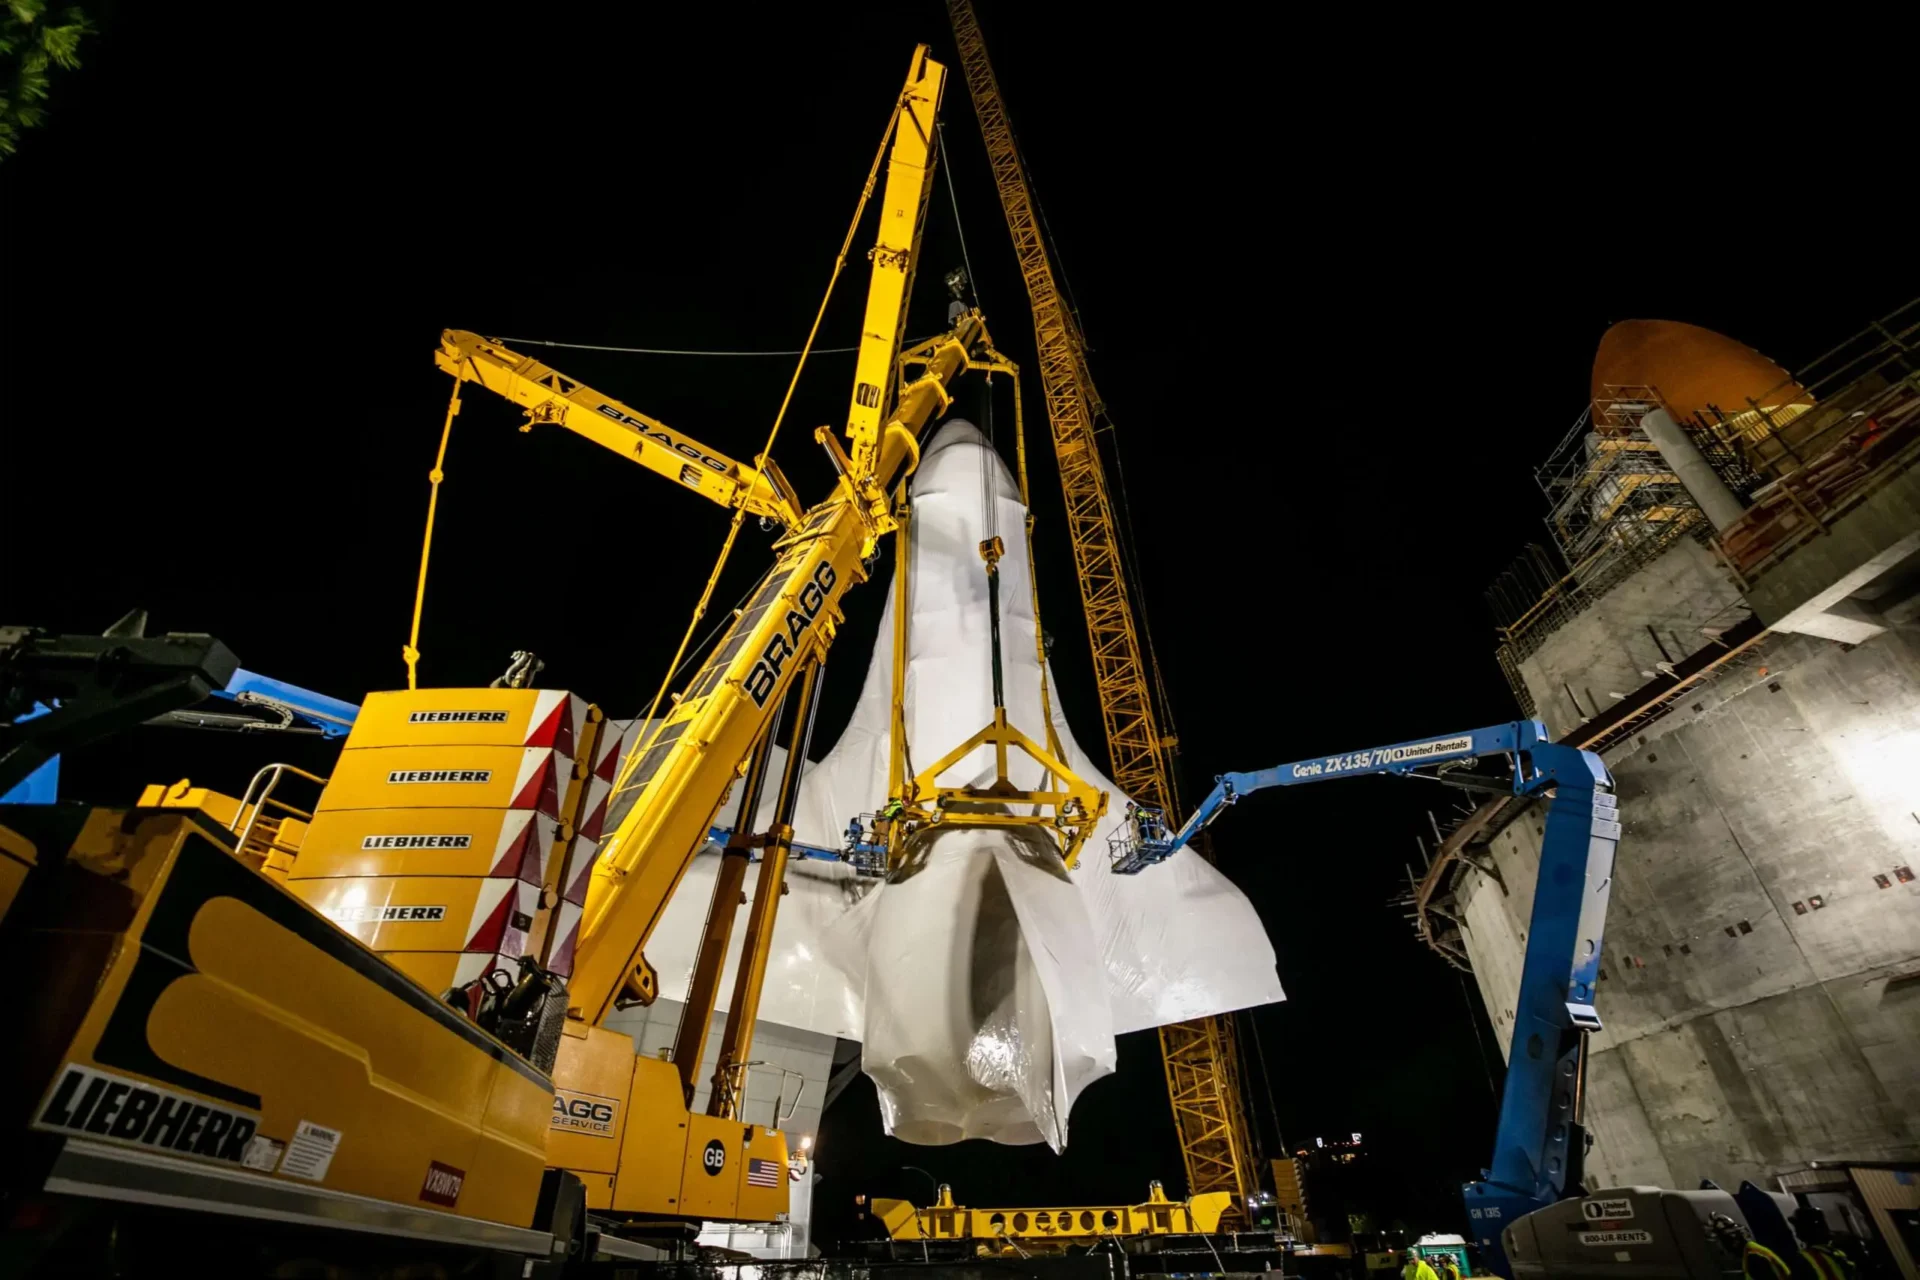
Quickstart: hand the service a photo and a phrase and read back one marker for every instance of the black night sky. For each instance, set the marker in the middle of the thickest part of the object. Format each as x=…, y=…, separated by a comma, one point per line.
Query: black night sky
x=1343, y=289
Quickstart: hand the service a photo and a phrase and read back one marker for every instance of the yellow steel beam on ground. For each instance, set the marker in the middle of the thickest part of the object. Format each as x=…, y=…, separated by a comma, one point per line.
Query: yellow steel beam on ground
x=1155, y=1216
x=1202, y=1078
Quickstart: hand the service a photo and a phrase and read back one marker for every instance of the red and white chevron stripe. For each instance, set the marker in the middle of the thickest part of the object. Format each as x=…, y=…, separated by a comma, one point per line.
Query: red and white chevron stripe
x=566, y=934
x=525, y=847
x=580, y=870
x=612, y=749
x=558, y=717
x=502, y=915
x=541, y=781
x=475, y=963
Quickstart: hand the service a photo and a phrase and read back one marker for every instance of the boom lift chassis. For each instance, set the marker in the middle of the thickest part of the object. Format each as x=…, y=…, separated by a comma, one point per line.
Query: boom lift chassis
x=1540, y=1146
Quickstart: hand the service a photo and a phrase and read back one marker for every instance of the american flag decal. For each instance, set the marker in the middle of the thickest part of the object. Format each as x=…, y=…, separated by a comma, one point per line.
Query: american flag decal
x=763, y=1173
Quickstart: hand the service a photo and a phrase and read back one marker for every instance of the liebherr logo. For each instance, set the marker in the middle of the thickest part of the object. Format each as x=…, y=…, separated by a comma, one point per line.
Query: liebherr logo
x=457, y=717
x=417, y=842
x=765, y=676
x=108, y=1106
x=440, y=775
x=382, y=915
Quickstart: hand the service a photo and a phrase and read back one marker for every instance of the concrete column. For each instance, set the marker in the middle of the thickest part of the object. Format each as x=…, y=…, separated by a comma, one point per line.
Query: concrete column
x=1695, y=472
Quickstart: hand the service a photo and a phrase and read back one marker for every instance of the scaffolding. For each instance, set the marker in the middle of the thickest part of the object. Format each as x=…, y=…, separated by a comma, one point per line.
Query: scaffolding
x=1613, y=504
x=1608, y=490
x=1797, y=455
x=1786, y=428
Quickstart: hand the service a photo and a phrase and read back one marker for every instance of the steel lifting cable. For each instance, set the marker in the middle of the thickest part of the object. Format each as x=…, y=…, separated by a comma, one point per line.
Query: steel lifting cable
x=1266, y=1078
x=713, y=633
x=760, y=461
x=989, y=490
x=677, y=351
x=1130, y=568
x=669, y=351
x=411, y=652
x=990, y=526
x=959, y=228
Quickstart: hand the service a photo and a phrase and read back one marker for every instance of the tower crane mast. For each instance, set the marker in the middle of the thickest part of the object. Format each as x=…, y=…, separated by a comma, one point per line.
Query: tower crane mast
x=1200, y=1056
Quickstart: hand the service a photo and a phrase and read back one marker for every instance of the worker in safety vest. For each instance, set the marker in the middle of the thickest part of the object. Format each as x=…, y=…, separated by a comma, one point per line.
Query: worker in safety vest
x=1449, y=1269
x=1817, y=1249
x=883, y=821
x=1417, y=1268
x=1757, y=1262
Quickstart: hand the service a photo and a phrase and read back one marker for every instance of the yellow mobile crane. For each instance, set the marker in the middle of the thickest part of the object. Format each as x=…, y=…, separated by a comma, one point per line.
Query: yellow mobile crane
x=1201, y=1060
x=202, y=1039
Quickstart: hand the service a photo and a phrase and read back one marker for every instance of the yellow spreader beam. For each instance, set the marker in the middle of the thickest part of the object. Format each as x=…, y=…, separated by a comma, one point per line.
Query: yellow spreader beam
x=1156, y=1216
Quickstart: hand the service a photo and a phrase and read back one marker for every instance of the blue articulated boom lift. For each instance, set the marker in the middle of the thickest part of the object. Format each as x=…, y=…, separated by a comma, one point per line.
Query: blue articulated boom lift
x=64, y=692
x=1540, y=1147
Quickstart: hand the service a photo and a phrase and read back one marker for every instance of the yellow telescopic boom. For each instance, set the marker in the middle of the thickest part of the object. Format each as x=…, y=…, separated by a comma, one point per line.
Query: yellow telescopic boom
x=549, y=396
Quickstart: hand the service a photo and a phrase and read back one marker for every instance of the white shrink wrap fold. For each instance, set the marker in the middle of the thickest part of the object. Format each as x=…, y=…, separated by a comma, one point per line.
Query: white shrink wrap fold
x=980, y=963
x=984, y=983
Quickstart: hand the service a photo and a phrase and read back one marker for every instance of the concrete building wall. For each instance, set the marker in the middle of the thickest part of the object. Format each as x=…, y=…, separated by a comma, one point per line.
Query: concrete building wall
x=1659, y=614
x=1761, y=992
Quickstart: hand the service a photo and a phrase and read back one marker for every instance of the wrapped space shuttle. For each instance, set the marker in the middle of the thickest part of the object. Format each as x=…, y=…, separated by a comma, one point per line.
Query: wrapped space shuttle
x=984, y=981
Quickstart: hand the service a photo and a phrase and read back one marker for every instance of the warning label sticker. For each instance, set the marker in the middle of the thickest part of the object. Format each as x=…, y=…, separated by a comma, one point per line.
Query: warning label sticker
x=1599, y=1238
x=262, y=1153
x=310, y=1154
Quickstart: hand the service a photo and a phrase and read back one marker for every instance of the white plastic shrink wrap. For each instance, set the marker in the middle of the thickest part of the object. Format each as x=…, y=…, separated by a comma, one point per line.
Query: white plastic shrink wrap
x=984, y=984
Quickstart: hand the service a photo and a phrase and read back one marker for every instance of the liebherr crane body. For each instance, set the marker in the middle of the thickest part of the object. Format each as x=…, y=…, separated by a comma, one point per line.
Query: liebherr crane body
x=1539, y=1148
x=1200, y=1057
x=717, y=732
x=202, y=1038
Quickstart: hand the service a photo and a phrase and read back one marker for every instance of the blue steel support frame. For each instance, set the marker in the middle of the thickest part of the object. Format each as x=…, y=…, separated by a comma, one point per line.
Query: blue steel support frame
x=42, y=786
x=1539, y=1148
x=720, y=836
x=332, y=717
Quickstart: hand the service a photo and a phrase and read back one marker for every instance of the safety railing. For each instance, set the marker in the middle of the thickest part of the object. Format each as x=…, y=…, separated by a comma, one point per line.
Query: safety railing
x=251, y=819
x=1868, y=445
x=1570, y=595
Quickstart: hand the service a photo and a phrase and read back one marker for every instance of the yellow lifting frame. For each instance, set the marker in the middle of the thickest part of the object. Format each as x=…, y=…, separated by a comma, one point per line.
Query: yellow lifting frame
x=1075, y=807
